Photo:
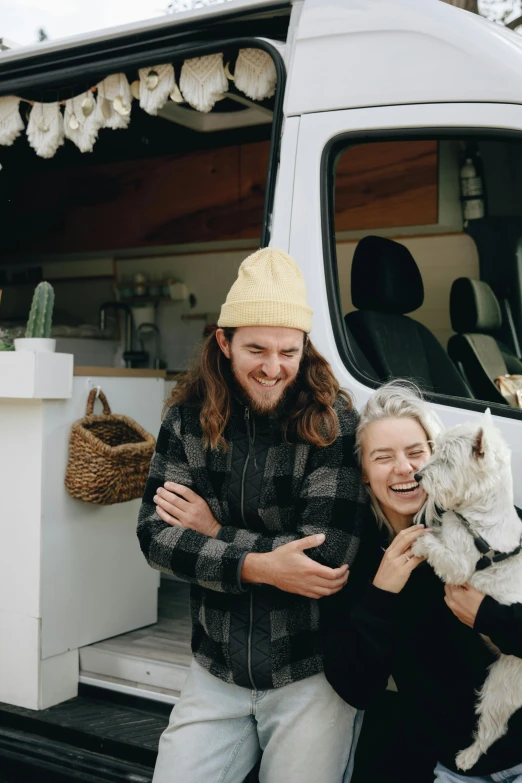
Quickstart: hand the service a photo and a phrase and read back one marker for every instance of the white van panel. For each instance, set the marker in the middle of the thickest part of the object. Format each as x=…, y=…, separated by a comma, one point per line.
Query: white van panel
x=282, y=210
x=306, y=229
x=368, y=53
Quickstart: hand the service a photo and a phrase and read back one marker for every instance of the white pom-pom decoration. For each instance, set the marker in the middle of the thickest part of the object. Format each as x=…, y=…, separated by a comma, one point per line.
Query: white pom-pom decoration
x=45, y=129
x=156, y=84
x=81, y=122
x=203, y=81
x=255, y=74
x=113, y=105
x=11, y=124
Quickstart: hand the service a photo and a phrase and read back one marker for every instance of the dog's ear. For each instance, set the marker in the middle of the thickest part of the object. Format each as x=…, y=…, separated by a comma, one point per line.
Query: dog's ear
x=479, y=444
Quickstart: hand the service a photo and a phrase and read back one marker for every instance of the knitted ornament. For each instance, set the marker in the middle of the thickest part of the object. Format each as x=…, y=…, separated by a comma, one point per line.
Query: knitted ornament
x=203, y=81
x=156, y=84
x=45, y=129
x=113, y=106
x=11, y=124
x=81, y=121
x=255, y=74
x=269, y=291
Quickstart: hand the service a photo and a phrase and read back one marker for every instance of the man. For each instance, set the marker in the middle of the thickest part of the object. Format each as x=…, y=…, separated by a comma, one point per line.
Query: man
x=254, y=466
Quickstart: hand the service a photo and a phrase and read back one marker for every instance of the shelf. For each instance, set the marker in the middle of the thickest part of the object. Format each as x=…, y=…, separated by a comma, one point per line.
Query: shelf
x=120, y=372
x=137, y=299
x=83, y=279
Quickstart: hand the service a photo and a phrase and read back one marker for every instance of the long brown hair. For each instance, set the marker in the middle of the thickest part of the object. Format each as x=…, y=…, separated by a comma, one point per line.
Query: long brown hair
x=209, y=385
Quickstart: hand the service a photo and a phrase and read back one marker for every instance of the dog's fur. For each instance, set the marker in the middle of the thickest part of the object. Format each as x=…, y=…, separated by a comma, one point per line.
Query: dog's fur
x=470, y=472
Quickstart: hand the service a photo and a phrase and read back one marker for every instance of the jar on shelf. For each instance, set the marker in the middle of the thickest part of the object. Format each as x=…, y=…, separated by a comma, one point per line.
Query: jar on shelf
x=140, y=289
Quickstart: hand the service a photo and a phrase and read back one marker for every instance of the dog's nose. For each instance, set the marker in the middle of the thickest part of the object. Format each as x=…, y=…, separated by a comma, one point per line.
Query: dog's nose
x=417, y=476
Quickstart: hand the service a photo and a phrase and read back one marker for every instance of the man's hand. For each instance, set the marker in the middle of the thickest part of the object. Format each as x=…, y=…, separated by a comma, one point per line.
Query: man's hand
x=180, y=506
x=289, y=569
x=464, y=601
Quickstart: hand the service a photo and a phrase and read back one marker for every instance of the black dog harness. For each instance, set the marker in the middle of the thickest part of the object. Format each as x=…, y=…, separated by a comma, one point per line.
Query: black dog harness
x=488, y=556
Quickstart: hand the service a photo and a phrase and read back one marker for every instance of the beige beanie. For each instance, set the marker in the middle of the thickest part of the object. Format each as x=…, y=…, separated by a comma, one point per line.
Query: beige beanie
x=269, y=291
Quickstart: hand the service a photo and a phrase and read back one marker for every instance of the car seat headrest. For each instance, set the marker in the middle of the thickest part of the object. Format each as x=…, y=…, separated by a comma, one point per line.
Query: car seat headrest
x=474, y=307
x=385, y=277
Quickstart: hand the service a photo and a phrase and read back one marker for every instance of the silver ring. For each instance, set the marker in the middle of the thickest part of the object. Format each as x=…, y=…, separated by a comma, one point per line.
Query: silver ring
x=407, y=558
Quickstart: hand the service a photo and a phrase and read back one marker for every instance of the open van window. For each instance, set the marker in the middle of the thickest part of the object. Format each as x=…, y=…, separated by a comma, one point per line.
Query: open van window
x=422, y=234
x=181, y=196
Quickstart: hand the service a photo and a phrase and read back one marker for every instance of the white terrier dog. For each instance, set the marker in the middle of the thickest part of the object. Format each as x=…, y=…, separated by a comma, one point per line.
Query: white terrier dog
x=476, y=539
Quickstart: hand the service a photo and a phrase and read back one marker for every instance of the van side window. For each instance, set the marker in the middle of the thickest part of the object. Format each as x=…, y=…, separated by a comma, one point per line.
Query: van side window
x=426, y=233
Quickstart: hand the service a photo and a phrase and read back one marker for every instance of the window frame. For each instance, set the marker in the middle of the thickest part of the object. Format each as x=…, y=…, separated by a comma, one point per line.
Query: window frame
x=332, y=150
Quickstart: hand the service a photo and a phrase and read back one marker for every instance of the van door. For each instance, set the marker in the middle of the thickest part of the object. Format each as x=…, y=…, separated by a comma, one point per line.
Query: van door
x=396, y=172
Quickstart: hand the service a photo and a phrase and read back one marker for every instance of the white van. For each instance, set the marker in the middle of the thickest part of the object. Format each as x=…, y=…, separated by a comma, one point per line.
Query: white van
x=388, y=163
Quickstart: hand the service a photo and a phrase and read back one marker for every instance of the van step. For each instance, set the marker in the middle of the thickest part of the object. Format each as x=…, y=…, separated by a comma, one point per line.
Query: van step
x=130, y=688
x=154, y=658
x=29, y=757
x=145, y=671
x=98, y=721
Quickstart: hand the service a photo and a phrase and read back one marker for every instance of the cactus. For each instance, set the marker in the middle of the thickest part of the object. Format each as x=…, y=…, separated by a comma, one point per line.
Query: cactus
x=40, y=317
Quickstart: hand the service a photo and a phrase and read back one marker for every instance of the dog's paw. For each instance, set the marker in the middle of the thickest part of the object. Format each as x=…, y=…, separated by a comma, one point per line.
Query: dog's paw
x=468, y=758
x=420, y=547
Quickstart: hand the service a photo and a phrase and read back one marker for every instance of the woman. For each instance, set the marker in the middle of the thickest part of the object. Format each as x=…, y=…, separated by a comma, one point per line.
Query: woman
x=395, y=617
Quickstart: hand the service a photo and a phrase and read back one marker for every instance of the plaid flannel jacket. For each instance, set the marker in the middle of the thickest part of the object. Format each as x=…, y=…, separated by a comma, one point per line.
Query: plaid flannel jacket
x=305, y=490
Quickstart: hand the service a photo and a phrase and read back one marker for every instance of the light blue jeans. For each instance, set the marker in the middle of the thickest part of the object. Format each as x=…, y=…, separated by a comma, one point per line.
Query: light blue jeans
x=217, y=731
x=444, y=775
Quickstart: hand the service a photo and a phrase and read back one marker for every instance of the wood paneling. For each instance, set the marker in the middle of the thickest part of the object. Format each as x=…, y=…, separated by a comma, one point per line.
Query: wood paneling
x=253, y=167
x=387, y=184
x=202, y=196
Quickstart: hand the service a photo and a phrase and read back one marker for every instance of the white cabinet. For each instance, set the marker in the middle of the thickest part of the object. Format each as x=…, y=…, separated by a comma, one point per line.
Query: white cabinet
x=71, y=573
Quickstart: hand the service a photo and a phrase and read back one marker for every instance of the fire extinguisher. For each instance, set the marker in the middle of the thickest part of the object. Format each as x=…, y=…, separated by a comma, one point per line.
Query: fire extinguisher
x=472, y=188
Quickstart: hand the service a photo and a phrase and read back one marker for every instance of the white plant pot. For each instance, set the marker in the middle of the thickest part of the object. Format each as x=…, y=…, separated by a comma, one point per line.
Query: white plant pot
x=35, y=344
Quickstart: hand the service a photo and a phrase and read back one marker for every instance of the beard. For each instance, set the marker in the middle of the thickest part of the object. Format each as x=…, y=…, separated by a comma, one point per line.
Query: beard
x=264, y=402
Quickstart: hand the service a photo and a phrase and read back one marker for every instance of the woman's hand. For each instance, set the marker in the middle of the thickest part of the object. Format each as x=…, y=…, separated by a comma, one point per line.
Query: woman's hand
x=180, y=506
x=289, y=569
x=464, y=602
x=399, y=561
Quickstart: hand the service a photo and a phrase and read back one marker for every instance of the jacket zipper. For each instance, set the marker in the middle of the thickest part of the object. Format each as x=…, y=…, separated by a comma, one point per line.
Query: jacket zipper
x=251, y=610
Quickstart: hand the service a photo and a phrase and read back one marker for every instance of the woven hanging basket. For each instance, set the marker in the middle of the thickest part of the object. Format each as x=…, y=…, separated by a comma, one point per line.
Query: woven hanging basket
x=109, y=456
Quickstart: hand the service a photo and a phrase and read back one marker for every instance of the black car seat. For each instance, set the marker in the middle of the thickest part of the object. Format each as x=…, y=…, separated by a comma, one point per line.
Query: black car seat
x=386, y=284
x=476, y=316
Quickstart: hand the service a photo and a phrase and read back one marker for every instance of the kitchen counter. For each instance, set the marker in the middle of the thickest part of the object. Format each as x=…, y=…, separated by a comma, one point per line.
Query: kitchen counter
x=120, y=372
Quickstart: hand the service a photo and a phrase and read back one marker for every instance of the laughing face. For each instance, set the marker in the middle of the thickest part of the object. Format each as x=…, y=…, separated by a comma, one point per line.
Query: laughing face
x=265, y=362
x=392, y=452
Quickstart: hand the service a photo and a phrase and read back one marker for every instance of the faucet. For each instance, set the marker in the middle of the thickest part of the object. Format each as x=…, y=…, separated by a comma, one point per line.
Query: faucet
x=129, y=322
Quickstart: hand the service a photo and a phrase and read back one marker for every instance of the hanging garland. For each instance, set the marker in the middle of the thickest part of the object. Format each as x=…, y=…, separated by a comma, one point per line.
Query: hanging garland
x=81, y=122
x=11, y=124
x=203, y=81
x=45, y=129
x=155, y=86
x=113, y=106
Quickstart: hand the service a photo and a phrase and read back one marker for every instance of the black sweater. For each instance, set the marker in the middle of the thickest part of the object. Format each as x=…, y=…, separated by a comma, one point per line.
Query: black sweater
x=437, y=662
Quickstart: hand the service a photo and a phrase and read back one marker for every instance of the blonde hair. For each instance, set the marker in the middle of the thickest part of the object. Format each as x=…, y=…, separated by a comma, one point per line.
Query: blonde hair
x=398, y=399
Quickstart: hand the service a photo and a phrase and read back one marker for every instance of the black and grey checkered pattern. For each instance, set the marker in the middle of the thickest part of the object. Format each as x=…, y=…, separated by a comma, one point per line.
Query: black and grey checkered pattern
x=305, y=490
